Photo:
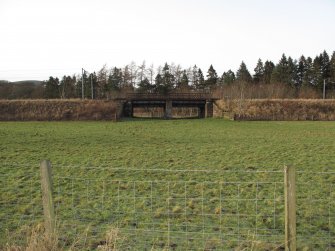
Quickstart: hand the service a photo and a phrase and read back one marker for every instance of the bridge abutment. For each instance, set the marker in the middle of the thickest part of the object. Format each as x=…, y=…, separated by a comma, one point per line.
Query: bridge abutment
x=168, y=109
x=201, y=110
x=209, y=109
x=128, y=110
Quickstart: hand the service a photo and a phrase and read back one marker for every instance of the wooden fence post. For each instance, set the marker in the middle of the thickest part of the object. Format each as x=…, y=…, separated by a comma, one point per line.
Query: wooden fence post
x=47, y=199
x=290, y=209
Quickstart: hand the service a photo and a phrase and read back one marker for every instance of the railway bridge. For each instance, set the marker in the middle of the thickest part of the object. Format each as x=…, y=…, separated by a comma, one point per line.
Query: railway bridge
x=201, y=100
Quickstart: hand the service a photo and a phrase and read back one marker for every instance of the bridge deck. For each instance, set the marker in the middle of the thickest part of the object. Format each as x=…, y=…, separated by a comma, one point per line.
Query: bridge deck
x=171, y=96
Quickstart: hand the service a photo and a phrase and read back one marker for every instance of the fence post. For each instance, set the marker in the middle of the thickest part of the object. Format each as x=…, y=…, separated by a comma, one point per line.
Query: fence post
x=290, y=209
x=47, y=199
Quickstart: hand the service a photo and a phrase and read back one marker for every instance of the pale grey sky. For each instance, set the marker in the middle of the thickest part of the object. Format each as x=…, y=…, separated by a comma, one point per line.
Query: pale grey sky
x=40, y=38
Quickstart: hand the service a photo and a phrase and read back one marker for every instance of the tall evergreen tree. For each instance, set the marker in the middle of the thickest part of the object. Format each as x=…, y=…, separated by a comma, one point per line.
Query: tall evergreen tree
x=259, y=72
x=184, y=81
x=67, y=87
x=332, y=71
x=168, y=80
x=317, y=80
x=228, y=77
x=301, y=70
x=292, y=70
x=325, y=65
x=159, y=85
x=243, y=74
x=268, y=69
x=212, y=77
x=52, y=88
x=307, y=79
x=201, y=80
x=281, y=71
x=145, y=86
x=94, y=85
x=115, y=80
x=195, y=78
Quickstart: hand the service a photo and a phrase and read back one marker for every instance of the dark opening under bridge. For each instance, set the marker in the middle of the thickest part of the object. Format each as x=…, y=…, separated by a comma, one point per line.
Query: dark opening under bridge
x=201, y=100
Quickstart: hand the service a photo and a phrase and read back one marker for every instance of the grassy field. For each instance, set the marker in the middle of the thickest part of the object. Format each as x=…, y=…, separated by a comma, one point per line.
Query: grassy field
x=178, y=143
x=87, y=156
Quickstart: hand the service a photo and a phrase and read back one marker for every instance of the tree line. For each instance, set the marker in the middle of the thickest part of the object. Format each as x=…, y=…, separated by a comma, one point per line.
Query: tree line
x=293, y=74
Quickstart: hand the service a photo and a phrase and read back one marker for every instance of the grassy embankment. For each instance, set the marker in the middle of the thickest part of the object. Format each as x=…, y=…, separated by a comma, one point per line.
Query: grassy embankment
x=277, y=109
x=57, y=109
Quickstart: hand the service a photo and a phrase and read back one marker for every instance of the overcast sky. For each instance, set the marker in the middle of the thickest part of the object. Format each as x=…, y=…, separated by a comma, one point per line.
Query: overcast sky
x=40, y=38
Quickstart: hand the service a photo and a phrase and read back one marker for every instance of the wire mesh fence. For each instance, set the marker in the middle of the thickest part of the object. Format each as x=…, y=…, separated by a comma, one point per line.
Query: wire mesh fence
x=316, y=210
x=153, y=209
x=20, y=202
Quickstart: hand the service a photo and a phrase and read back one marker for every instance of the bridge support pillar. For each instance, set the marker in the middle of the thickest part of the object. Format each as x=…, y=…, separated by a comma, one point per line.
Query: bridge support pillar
x=201, y=111
x=168, y=109
x=209, y=109
x=128, y=110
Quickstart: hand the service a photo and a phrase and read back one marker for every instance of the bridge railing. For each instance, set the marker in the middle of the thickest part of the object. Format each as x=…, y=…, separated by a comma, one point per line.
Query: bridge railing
x=175, y=96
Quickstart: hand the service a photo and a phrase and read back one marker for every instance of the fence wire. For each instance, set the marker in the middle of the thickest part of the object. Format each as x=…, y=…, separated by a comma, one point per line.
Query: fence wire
x=316, y=210
x=154, y=209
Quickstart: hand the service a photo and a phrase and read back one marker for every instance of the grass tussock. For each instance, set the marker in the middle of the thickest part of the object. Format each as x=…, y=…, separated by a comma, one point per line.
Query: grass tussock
x=276, y=109
x=35, y=238
x=57, y=110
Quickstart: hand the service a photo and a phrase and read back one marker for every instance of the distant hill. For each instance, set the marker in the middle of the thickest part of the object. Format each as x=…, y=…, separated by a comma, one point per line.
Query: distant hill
x=21, y=89
x=27, y=82
x=23, y=82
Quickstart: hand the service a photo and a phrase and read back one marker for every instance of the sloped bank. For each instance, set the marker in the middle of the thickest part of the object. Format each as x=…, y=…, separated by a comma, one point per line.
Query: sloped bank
x=58, y=110
x=276, y=109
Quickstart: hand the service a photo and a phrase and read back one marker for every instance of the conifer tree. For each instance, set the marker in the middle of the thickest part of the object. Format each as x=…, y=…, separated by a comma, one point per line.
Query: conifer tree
x=90, y=83
x=259, y=72
x=317, y=76
x=243, y=74
x=325, y=65
x=184, y=80
x=168, y=80
x=115, y=80
x=291, y=71
x=159, y=86
x=67, y=87
x=332, y=72
x=145, y=86
x=201, y=80
x=195, y=78
x=228, y=77
x=301, y=69
x=212, y=77
x=52, y=88
x=280, y=73
x=307, y=79
x=268, y=69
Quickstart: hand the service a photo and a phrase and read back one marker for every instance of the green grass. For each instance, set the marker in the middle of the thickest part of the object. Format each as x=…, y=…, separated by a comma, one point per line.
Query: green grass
x=87, y=196
x=177, y=143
